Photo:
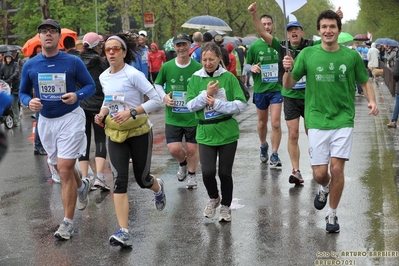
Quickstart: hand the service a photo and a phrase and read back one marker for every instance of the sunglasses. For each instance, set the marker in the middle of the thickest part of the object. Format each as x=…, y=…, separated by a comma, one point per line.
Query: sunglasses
x=116, y=49
x=51, y=30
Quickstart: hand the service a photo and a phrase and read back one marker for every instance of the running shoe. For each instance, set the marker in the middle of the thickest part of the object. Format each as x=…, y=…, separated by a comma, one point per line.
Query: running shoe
x=332, y=225
x=225, y=214
x=295, y=177
x=160, y=200
x=264, y=156
x=275, y=160
x=182, y=173
x=321, y=199
x=98, y=183
x=191, y=181
x=65, y=231
x=210, y=208
x=121, y=238
x=83, y=199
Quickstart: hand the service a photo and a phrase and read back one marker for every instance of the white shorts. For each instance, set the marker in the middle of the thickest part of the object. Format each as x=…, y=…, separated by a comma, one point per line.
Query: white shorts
x=63, y=137
x=325, y=144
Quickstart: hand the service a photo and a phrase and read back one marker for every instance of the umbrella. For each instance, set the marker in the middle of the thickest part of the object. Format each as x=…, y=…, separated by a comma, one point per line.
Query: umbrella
x=207, y=23
x=360, y=37
x=30, y=44
x=386, y=41
x=249, y=40
x=168, y=46
x=234, y=40
x=9, y=47
x=214, y=32
x=344, y=37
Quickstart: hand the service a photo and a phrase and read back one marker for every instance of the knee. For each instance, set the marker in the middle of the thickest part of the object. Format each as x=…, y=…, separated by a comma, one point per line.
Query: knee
x=293, y=135
x=120, y=186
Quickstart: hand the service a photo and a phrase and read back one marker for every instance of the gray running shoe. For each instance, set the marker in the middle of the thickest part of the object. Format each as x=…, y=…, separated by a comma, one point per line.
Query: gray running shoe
x=210, y=208
x=182, y=173
x=65, y=231
x=191, y=181
x=98, y=183
x=295, y=177
x=275, y=160
x=225, y=214
x=83, y=199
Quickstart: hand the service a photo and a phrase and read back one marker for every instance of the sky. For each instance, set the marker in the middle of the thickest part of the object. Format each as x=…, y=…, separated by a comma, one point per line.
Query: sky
x=350, y=8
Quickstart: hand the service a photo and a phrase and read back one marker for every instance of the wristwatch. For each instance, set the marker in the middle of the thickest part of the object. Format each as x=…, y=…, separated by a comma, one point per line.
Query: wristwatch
x=133, y=113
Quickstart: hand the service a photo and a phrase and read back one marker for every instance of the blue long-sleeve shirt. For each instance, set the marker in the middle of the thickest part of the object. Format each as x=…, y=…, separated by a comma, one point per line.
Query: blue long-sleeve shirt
x=75, y=72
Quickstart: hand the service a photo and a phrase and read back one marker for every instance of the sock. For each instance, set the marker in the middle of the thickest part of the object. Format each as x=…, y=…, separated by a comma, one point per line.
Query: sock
x=331, y=211
x=183, y=163
x=82, y=187
x=67, y=220
x=125, y=230
x=191, y=173
x=326, y=189
x=159, y=192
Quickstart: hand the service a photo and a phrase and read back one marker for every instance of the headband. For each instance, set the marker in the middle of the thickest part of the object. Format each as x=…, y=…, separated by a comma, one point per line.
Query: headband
x=114, y=37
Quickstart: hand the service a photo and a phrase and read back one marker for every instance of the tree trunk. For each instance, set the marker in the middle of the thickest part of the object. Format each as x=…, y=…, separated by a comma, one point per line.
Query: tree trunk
x=125, y=15
x=45, y=9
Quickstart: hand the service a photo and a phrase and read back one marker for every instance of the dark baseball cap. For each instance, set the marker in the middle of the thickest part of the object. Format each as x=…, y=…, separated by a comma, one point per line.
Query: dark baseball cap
x=294, y=24
x=181, y=37
x=50, y=22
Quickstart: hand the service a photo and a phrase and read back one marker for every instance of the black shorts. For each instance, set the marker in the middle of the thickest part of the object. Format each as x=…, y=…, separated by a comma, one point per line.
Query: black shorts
x=293, y=108
x=175, y=134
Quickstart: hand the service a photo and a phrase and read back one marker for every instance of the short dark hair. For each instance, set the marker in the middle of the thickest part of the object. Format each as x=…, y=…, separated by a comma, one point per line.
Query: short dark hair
x=329, y=14
x=69, y=42
x=267, y=16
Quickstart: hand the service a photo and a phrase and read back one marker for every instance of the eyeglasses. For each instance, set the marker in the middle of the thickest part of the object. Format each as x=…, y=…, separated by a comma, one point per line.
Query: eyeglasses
x=116, y=49
x=51, y=30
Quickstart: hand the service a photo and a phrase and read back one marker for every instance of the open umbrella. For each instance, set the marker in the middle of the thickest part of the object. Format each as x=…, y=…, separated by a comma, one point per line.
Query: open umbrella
x=214, y=32
x=207, y=23
x=360, y=37
x=386, y=41
x=249, y=40
x=234, y=40
x=9, y=47
x=30, y=44
x=344, y=37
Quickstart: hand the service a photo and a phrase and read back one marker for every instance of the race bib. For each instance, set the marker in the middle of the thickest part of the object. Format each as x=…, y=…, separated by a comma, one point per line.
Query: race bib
x=301, y=84
x=208, y=110
x=51, y=86
x=179, y=101
x=115, y=103
x=269, y=72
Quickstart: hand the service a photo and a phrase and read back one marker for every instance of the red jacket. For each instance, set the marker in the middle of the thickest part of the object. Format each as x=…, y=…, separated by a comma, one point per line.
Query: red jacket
x=233, y=62
x=156, y=58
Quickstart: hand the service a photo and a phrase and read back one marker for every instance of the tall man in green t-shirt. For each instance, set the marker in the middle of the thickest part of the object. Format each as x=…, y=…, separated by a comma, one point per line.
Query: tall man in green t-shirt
x=330, y=70
x=179, y=122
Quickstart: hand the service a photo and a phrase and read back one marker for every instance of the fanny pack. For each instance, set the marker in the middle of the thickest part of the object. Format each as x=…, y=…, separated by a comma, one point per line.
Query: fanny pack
x=214, y=121
x=131, y=128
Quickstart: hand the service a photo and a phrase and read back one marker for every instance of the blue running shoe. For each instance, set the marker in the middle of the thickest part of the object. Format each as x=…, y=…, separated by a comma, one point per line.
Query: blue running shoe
x=332, y=225
x=321, y=199
x=121, y=238
x=275, y=160
x=160, y=200
x=65, y=231
x=264, y=156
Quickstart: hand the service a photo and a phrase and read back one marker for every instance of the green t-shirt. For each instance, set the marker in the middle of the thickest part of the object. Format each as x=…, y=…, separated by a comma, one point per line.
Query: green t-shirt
x=176, y=79
x=224, y=132
x=293, y=93
x=330, y=81
x=268, y=57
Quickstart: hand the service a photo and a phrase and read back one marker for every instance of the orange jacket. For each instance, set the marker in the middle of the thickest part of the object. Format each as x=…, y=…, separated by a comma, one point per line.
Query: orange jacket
x=156, y=58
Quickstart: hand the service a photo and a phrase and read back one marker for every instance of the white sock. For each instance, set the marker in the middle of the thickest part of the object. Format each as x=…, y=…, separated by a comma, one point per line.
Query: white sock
x=125, y=230
x=331, y=211
x=67, y=220
x=82, y=187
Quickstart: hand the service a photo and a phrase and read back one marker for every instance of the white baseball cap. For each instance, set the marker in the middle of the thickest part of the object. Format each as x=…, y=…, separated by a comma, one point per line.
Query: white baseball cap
x=143, y=32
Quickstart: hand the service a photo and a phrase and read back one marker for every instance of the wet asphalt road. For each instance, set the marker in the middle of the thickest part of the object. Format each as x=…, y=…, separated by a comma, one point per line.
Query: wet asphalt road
x=273, y=222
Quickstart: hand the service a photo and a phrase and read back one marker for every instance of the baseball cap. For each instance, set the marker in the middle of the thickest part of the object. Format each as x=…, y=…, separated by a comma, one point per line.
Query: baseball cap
x=294, y=24
x=143, y=32
x=218, y=38
x=50, y=22
x=92, y=39
x=181, y=37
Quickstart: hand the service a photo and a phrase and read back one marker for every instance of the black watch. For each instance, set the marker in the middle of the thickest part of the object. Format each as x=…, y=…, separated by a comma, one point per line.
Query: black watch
x=133, y=113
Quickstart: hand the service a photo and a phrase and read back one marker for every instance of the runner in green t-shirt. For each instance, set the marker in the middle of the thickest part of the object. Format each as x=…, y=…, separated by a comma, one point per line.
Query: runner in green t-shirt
x=179, y=122
x=330, y=70
x=264, y=59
